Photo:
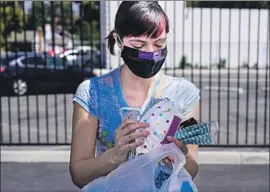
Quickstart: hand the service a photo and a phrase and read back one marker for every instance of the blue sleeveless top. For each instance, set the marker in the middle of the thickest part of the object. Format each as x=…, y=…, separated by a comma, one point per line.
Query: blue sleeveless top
x=102, y=97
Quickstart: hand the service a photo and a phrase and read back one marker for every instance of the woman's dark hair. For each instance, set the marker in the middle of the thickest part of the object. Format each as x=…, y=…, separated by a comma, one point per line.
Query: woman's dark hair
x=136, y=18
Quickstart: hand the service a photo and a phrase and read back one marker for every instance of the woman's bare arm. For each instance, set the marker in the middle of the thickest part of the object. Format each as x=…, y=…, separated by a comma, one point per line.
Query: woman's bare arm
x=192, y=154
x=191, y=151
x=84, y=167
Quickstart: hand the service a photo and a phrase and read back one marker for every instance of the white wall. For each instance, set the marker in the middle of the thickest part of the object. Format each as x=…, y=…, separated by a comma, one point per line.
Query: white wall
x=181, y=42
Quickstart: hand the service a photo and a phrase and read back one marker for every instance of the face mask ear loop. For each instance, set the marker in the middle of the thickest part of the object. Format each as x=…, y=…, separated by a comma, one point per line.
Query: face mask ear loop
x=122, y=44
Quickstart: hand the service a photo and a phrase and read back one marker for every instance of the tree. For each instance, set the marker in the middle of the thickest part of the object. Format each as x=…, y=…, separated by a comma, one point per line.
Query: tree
x=11, y=18
x=89, y=13
x=90, y=10
x=38, y=15
x=85, y=24
x=62, y=12
x=47, y=11
x=86, y=30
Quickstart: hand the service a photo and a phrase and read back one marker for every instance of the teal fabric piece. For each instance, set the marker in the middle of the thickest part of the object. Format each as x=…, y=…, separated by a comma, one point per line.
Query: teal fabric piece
x=198, y=134
x=193, y=130
x=204, y=139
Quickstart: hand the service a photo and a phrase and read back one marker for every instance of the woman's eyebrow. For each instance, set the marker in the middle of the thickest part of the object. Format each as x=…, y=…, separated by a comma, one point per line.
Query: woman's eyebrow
x=162, y=39
x=137, y=40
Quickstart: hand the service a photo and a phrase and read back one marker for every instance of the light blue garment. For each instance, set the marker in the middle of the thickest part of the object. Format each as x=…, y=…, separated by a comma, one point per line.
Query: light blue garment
x=102, y=97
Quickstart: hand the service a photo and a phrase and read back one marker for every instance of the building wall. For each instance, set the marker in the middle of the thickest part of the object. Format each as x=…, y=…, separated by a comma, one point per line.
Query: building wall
x=196, y=31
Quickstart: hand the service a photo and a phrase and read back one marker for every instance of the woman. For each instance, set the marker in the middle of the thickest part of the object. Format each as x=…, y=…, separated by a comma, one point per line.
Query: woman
x=140, y=32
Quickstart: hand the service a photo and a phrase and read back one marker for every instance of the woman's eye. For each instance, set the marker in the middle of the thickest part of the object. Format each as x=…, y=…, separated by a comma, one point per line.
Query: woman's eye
x=159, y=46
x=137, y=47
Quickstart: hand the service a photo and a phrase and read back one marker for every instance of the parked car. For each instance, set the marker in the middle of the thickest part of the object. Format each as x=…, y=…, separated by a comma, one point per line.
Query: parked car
x=41, y=73
x=72, y=54
x=83, y=56
x=5, y=58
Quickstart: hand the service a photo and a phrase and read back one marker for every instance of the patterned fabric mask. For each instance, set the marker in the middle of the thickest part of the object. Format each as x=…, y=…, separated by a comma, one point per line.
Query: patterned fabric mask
x=164, y=119
x=199, y=134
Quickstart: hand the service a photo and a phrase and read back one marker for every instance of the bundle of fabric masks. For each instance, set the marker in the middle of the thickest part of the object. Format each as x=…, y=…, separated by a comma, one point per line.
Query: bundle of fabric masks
x=165, y=118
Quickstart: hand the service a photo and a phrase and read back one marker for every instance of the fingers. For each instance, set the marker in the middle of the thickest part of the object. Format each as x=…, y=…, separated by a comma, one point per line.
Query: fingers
x=171, y=159
x=168, y=162
x=125, y=123
x=126, y=148
x=179, y=144
x=125, y=135
x=128, y=127
x=128, y=138
x=132, y=127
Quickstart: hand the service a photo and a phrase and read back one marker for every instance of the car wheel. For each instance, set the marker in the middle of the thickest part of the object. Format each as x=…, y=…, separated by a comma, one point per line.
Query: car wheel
x=20, y=87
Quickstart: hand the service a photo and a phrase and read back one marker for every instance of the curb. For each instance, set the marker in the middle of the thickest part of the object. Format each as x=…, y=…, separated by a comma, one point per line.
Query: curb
x=204, y=157
x=234, y=158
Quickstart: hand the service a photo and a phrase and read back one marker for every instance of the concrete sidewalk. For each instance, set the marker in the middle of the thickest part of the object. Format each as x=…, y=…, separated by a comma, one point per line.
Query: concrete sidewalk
x=45, y=168
x=55, y=177
x=60, y=154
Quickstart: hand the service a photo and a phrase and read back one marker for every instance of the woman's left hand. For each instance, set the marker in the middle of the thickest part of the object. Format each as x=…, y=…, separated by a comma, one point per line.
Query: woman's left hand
x=180, y=145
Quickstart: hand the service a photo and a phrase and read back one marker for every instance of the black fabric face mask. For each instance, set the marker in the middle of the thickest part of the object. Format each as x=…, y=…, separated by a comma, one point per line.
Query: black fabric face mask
x=142, y=63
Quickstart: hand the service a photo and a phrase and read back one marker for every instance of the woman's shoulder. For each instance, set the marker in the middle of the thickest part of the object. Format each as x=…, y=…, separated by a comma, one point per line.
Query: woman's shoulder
x=183, y=92
x=84, y=88
x=96, y=81
x=88, y=91
x=179, y=85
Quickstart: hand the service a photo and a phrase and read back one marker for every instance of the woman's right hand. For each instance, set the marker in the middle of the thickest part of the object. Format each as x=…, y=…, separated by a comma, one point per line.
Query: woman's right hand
x=126, y=139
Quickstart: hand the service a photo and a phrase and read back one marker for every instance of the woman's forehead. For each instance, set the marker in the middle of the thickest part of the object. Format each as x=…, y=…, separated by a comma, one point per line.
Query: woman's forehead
x=148, y=38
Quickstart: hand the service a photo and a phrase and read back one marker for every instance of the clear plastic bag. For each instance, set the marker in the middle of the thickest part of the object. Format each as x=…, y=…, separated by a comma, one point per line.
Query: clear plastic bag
x=179, y=182
x=135, y=175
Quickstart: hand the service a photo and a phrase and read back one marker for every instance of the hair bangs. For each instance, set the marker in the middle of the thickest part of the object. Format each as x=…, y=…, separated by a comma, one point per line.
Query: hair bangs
x=150, y=21
x=154, y=24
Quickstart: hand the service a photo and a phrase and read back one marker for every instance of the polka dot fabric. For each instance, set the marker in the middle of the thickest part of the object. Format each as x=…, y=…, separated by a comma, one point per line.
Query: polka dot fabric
x=160, y=115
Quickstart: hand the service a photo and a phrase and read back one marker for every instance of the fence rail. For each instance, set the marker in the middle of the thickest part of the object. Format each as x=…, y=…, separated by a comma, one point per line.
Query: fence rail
x=225, y=52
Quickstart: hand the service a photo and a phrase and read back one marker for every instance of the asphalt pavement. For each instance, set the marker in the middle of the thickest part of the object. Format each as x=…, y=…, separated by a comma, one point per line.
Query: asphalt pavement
x=241, y=106
x=54, y=177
